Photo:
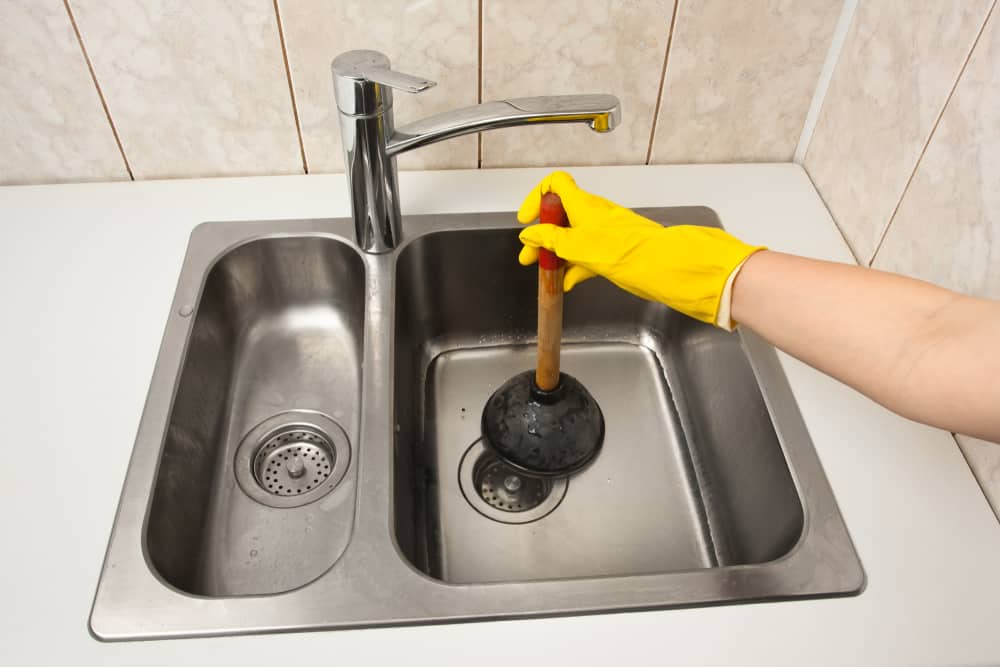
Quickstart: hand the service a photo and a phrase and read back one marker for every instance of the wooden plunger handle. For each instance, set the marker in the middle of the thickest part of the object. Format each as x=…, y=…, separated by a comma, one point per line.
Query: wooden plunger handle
x=550, y=299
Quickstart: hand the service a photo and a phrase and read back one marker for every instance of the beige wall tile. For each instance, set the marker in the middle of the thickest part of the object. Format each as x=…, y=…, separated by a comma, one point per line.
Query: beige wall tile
x=437, y=39
x=615, y=46
x=947, y=229
x=740, y=78
x=899, y=62
x=195, y=88
x=984, y=459
x=52, y=126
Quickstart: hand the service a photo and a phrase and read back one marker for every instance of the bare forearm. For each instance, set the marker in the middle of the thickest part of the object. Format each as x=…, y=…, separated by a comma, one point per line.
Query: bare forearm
x=925, y=352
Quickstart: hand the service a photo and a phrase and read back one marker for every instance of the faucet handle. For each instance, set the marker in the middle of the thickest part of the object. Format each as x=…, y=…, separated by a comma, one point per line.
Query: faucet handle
x=397, y=80
x=362, y=82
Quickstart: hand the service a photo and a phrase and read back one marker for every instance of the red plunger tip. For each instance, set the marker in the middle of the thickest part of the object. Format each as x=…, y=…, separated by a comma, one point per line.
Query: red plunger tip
x=551, y=212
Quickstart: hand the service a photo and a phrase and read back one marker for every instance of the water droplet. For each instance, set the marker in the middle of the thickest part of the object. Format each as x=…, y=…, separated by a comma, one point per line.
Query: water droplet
x=253, y=553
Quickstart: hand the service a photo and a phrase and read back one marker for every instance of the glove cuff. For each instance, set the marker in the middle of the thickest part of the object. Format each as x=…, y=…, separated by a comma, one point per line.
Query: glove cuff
x=723, y=318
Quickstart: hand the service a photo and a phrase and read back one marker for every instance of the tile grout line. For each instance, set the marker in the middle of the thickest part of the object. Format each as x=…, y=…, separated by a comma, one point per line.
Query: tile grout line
x=825, y=78
x=833, y=219
x=663, y=78
x=930, y=136
x=100, y=93
x=479, y=89
x=291, y=88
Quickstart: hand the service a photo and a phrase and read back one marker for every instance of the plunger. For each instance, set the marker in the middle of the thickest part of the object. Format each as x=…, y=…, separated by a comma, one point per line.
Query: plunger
x=544, y=422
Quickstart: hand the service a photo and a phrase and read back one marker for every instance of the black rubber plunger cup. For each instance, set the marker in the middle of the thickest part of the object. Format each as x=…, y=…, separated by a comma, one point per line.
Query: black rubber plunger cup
x=544, y=422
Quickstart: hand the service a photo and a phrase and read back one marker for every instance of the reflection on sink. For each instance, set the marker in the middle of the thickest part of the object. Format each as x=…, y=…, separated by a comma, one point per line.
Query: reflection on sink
x=692, y=474
x=273, y=359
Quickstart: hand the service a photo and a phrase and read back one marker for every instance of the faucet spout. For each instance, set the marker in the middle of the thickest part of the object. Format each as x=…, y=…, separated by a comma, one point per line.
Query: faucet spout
x=601, y=112
x=363, y=83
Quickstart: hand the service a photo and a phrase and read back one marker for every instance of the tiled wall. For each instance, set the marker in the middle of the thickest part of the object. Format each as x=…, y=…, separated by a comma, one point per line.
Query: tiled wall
x=906, y=152
x=116, y=89
x=52, y=124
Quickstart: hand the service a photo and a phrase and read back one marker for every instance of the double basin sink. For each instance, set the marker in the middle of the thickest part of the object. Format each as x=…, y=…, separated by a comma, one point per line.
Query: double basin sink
x=310, y=456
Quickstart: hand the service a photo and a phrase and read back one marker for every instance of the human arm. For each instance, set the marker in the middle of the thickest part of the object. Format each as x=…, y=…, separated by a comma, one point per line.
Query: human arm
x=923, y=351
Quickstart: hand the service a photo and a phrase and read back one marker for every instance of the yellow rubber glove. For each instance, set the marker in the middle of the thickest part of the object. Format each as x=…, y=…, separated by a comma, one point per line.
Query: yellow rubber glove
x=687, y=267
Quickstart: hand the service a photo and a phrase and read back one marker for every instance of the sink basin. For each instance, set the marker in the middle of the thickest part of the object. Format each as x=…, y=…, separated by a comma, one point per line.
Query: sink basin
x=692, y=473
x=273, y=358
x=309, y=454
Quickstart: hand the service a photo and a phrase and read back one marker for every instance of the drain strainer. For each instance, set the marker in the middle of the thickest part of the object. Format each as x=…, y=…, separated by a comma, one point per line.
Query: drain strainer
x=507, y=489
x=291, y=459
x=502, y=493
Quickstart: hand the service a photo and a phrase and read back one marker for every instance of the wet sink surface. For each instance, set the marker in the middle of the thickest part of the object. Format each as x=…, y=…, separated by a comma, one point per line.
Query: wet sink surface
x=309, y=453
x=691, y=474
x=276, y=342
x=634, y=511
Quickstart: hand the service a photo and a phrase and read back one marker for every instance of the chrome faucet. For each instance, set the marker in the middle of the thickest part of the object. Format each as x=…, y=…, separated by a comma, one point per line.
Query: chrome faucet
x=363, y=82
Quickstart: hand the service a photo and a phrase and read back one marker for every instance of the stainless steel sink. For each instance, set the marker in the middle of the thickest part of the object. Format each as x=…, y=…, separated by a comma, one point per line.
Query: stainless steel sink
x=692, y=475
x=309, y=455
x=272, y=376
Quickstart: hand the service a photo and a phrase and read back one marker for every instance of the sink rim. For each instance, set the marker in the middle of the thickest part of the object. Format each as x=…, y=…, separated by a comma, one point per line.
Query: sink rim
x=133, y=602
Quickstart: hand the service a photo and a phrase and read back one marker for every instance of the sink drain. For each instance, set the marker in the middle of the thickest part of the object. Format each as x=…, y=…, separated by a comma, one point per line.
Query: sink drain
x=502, y=493
x=292, y=459
x=506, y=489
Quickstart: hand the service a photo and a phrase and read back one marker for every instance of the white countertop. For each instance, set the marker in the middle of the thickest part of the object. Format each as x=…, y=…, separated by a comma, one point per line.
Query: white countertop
x=87, y=273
